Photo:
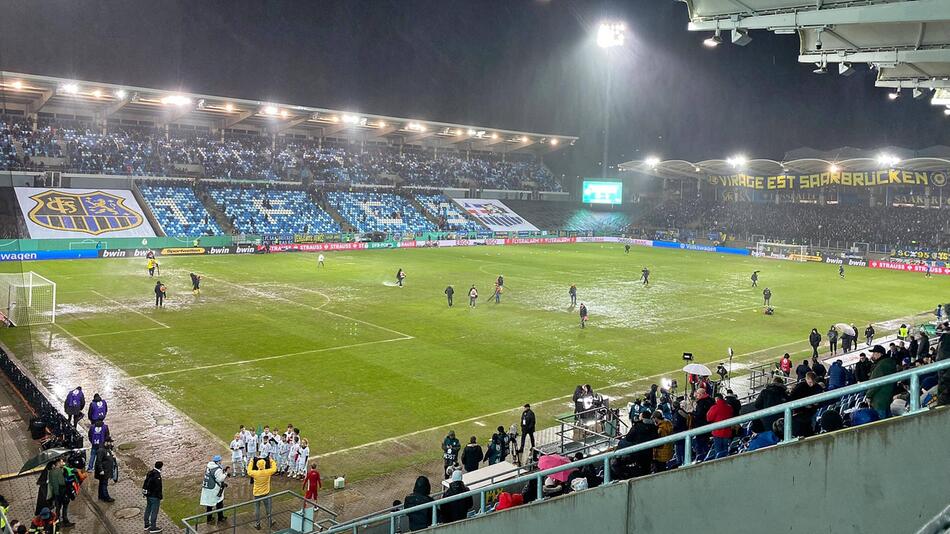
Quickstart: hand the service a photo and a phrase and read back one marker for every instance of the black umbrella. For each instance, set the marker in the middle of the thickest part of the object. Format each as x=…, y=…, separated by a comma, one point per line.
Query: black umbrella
x=43, y=458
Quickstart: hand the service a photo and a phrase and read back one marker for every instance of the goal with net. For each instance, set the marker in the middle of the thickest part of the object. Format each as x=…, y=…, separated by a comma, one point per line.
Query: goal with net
x=781, y=250
x=27, y=299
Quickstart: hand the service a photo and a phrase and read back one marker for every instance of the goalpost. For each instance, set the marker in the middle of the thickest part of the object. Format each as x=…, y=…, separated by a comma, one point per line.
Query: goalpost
x=27, y=299
x=792, y=252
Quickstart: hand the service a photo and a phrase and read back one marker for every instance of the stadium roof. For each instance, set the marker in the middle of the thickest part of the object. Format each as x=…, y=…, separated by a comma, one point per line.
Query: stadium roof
x=109, y=102
x=907, y=41
x=800, y=161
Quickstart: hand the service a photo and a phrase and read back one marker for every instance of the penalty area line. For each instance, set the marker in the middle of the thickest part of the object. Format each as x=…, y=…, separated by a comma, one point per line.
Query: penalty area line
x=266, y=358
x=320, y=309
x=122, y=332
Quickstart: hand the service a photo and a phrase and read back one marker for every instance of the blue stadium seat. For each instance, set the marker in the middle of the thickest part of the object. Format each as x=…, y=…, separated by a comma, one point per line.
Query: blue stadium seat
x=441, y=206
x=379, y=212
x=179, y=211
x=272, y=212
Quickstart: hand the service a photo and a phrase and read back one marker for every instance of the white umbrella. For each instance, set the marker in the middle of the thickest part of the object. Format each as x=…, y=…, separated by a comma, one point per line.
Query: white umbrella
x=845, y=328
x=697, y=369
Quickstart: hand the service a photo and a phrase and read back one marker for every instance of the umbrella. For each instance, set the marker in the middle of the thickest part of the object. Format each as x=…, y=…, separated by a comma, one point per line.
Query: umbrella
x=845, y=328
x=43, y=458
x=697, y=369
x=553, y=460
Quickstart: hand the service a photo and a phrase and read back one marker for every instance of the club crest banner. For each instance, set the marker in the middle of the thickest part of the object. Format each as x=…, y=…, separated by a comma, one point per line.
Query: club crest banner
x=495, y=215
x=864, y=180
x=72, y=213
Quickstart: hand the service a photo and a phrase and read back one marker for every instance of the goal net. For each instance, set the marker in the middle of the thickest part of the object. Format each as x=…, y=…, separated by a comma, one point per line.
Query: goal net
x=27, y=299
x=781, y=250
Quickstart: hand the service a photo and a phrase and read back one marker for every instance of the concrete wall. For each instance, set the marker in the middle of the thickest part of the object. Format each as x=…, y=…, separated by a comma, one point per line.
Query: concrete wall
x=883, y=478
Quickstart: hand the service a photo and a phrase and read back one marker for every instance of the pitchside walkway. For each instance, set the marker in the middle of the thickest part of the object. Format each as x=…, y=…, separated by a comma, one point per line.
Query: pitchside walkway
x=90, y=515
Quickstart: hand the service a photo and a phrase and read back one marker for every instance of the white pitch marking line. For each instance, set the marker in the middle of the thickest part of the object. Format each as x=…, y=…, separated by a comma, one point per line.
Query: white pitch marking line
x=131, y=309
x=555, y=399
x=122, y=332
x=265, y=358
x=314, y=308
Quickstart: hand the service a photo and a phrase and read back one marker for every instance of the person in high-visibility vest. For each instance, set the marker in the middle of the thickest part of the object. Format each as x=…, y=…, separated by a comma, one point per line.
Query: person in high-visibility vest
x=903, y=331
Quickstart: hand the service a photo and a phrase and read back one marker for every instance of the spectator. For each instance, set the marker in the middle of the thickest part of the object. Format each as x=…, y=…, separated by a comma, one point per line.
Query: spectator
x=662, y=454
x=830, y=421
x=832, y=341
x=590, y=472
x=943, y=377
x=212, y=489
x=802, y=370
x=802, y=417
x=770, y=437
x=260, y=470
x=881, y=396
x=923, y=346
x=472, y=455
x=819, y=369
x=837, y=375
x=508, y=500
x=458, y=509
x=722, y=437
x=152, y=490
x=680, y=424
x=864, y=414
x=862, y=369
x=421, y=519
x=97, y=409
x=45, y=522
x=58, y=492
x=105, y=469
x=733, y=402
x=773, y=395
x=703, y=404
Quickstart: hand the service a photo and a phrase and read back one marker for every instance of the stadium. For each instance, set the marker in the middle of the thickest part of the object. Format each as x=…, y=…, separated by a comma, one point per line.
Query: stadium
x=225, y=310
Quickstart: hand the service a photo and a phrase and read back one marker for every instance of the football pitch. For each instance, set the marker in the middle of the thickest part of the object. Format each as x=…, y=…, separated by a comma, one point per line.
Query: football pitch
x=352, y=359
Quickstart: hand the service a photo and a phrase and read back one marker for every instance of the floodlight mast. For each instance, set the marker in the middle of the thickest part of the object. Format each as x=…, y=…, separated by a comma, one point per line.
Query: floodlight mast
x=610, y=34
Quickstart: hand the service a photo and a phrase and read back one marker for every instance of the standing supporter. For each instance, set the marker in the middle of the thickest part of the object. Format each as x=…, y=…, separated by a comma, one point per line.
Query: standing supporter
x=722, y=437
x=152, y=490
x=814, y=339
x=881, y=396
x=472, y=455
x=862, y=369
x=421, y=519
x=773, y=395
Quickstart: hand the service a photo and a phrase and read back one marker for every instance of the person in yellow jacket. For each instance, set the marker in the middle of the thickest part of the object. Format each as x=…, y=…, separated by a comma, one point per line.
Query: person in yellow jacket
x=260, y=470
x=664, y=453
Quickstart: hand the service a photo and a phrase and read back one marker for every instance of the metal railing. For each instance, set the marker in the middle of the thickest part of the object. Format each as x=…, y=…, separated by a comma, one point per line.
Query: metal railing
x=287, y=511
x=688, y=436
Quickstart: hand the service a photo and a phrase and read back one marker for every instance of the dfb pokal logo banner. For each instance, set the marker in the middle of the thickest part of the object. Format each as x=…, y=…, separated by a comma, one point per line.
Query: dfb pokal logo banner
x=71, y=213
x=495, y=215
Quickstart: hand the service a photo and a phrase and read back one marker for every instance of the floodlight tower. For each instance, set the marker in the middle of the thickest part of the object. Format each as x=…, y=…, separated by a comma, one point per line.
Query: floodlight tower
x=610, y=34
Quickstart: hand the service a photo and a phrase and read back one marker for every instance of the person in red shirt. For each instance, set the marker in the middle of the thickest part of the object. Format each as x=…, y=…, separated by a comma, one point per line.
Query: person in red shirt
x=786, y=364
x=720, y=411
x=312, y=483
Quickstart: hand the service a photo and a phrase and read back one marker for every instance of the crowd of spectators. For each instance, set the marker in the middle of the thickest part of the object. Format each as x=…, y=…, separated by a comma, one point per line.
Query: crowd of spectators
x=82, y=147
x=798, y=223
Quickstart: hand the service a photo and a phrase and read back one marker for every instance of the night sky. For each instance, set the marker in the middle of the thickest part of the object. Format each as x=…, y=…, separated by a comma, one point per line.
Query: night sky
x=526, y=65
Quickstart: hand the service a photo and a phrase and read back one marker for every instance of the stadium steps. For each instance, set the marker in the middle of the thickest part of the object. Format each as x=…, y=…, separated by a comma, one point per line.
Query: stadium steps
x=421, y=209
x=331, y=211
x=147, y=210
x=216, y=212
